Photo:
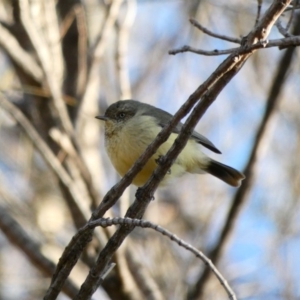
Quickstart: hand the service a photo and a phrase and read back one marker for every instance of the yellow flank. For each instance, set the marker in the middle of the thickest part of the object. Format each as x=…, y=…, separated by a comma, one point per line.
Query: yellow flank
x=126, y=143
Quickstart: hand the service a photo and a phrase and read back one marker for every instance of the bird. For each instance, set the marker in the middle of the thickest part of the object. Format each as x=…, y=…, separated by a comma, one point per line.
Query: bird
x=130, y=126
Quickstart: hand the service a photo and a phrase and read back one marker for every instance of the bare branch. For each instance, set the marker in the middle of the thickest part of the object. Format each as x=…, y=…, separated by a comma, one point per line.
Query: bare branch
x=146, y=224
x=288, y=25
x=215, y=35
x=215, y=52
x=289, y=41
x=259, y=3
x=282, y=30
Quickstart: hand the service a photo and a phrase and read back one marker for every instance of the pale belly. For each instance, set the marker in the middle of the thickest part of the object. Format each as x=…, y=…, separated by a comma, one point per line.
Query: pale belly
x=124, y=149
x=123, y=155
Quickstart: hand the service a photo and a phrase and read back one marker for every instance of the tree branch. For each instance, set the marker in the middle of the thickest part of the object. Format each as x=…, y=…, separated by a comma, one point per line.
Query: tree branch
x=259, y=3
x=215, y=35
x=289, y=41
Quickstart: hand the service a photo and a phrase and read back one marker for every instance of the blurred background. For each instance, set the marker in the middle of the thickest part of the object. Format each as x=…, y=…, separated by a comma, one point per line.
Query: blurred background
x=93, y=53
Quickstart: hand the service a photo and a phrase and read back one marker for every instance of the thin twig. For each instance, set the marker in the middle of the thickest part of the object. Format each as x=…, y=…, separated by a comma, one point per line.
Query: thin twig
x=288, y=25
x=66, y=23
x=215, y=35
x=107, y=271
x=104, y=222
x=282, y=30
x=215, y=52
x=289, y=41
x=259, y=3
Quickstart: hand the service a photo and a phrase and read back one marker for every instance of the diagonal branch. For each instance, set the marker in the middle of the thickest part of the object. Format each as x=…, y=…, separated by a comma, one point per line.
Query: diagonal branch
x=259, y=3
x=215, y=35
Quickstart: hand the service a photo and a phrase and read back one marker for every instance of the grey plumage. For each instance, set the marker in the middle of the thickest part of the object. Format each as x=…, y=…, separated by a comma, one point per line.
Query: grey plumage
x=132, y=125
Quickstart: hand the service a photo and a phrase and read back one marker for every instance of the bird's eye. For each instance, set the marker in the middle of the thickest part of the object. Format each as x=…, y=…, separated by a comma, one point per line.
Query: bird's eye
x=121, y=115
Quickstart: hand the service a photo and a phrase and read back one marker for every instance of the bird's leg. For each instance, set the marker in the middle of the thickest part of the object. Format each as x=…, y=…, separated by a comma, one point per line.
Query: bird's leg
x=160, y=161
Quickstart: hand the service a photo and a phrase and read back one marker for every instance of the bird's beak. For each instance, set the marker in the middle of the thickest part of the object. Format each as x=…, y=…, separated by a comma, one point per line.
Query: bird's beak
x=103, y=118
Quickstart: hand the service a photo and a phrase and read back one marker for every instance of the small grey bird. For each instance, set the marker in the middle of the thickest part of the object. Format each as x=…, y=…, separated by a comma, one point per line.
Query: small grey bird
x=130, y=126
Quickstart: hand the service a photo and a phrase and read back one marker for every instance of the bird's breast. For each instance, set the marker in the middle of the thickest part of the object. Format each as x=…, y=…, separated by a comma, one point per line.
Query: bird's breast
x=125, y=144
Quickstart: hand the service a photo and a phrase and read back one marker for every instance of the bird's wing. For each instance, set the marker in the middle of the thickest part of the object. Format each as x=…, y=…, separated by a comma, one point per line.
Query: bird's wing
x=199, y=138
x=163, y=117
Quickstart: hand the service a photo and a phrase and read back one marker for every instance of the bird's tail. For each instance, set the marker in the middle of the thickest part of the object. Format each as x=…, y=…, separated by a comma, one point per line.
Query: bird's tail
x=225, y=173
